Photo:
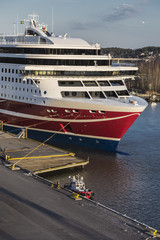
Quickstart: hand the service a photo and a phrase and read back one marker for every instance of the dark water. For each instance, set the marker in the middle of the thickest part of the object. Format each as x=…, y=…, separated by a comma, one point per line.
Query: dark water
x=129, y=180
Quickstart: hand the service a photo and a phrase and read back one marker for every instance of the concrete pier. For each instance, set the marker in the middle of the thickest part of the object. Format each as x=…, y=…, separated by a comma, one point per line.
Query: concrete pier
x=35, y=156
x=31, y=209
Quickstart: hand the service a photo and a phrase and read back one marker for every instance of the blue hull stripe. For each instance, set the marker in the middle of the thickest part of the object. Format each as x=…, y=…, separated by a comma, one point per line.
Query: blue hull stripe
x=65, y=139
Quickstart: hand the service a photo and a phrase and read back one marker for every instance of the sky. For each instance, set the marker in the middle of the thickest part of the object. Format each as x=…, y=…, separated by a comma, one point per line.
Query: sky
x=111, y=23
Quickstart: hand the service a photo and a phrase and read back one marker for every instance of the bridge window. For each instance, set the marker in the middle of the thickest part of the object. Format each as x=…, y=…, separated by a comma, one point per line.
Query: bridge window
x=110, y=94
x=70, y=83
x=90, y=83
x=103, y=83
x=122, y=93
x=116, y=82
x=97, y=94
x=75, y=94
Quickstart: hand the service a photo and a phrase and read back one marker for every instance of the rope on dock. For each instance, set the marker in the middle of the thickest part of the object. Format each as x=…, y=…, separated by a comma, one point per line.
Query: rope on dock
x=45, y=141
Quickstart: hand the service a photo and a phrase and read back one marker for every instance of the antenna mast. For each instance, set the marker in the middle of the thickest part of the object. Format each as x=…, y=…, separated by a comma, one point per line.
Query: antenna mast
x=52, y=20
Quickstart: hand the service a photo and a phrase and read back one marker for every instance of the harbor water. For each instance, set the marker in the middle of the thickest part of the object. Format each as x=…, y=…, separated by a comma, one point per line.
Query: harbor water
x=129, y=180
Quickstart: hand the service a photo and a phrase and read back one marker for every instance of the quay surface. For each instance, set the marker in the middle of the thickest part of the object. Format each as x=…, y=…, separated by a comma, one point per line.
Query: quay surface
x=36, y=157
x=31, y=209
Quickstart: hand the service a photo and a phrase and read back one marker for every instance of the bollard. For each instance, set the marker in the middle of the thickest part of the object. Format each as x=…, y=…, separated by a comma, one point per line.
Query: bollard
x=76, y=196
x=153, y=232
x=12, y=167
x=58, y=185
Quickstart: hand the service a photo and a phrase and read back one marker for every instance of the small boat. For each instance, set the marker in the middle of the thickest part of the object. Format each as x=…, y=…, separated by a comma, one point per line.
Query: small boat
x=77, y=185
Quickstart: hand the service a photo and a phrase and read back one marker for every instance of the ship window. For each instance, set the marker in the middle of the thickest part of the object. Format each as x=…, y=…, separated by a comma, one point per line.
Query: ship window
x=9, y=79
x=110, y=94
x=103, y=83
x=2, y=69
x=30, y=32
x=27, y=81
x=116, y=82
x=20, y=80
x=70, y=83
x=122, y=93
x=66, y=94
x=9, y=70
x=16, y=80
x=54, y=111
x=75, y=111
x=78, y=94
x=92, y=111
x=12, y=70
x=5, y=78
x=67, y=111
x=89, y=83
x=97, y=94
x=12, y=79
x=5, y=70
x=74, y=94
x=102, y=112
x=2, y=78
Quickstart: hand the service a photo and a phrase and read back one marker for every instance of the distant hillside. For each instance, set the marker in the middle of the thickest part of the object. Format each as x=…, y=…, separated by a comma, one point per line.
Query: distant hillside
x=136, y=53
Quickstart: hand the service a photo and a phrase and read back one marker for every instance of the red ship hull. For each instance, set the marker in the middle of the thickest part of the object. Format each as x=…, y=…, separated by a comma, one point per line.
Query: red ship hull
x=109, y=126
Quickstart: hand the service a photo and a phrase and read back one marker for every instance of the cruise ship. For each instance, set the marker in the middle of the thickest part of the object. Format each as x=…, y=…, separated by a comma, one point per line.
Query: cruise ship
x=62, y=90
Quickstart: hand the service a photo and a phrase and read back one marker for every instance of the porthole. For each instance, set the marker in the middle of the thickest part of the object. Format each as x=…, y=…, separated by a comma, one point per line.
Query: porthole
x=75, y=111
x=102, y=112
x=54, y=111
x=74, y=94
x=48, y=110
x=66, y=93
x=92, y=111
x=67, y=110
x=45, y=92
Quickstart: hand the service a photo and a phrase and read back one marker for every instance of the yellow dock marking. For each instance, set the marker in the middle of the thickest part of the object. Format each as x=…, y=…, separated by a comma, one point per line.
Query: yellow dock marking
x=70, y=165
x=47, y=156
